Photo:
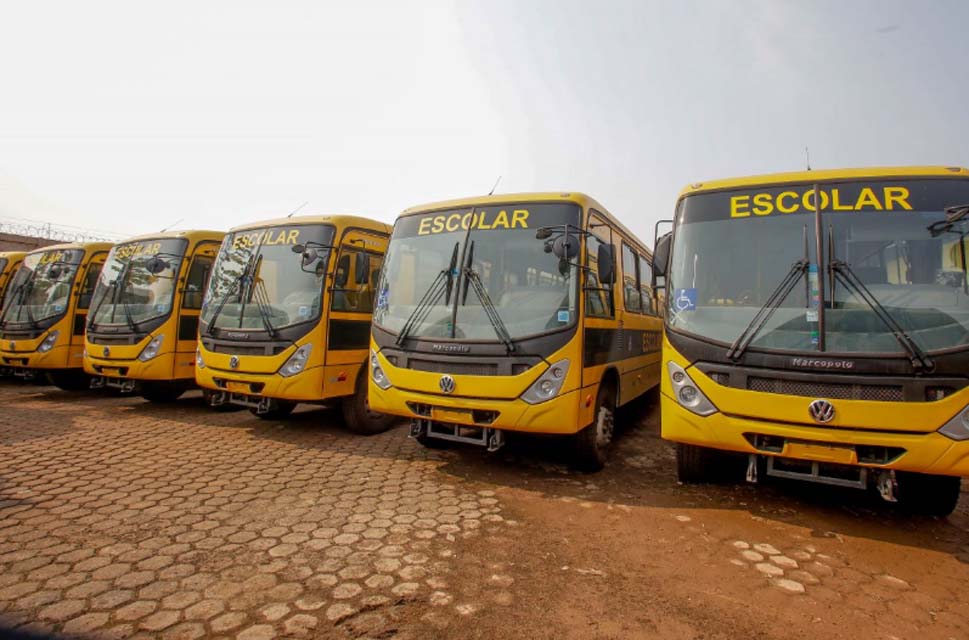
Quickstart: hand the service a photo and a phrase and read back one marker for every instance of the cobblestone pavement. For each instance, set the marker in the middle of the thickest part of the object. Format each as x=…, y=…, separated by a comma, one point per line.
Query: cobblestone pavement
x=119, y=518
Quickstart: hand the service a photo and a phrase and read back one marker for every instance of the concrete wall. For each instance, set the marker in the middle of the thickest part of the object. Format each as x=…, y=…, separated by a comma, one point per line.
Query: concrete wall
x=10, y=242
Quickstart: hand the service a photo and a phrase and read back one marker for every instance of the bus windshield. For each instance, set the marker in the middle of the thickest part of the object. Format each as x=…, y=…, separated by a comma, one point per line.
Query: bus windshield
x=270, y=278
x=137, y=283
x=733, y=248
x=41, y=288
x=498, y=260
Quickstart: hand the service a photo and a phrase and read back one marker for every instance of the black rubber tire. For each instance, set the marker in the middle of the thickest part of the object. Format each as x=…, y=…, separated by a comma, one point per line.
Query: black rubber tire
x=222, y=408
x=695, y=465
x=161, y=392
x=590, y=451
x=70, y=380
x=279, y=412
x=357, y=415
x=927, y=495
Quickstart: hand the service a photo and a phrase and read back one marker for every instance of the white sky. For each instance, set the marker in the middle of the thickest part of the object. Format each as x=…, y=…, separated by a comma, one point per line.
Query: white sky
x=127, y=116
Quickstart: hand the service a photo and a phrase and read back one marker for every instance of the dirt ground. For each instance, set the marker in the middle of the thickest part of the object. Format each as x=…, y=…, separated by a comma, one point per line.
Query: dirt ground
x=121, y=519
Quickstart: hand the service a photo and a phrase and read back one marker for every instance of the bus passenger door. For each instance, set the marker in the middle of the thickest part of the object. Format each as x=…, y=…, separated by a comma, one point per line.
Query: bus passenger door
x=351, y=301
x=84, y=292
x=601, y=326
x=190, y=306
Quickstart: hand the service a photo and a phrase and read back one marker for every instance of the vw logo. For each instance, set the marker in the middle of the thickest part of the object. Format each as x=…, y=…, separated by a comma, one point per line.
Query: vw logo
x=106, y=352
x=446, y=383
x=821, y=410
x=234, y=362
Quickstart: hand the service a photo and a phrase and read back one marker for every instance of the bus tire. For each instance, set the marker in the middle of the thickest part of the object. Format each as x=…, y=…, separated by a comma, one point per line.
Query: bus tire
x=280, y=411
x=70, y=380
x=591, y=445
x=927, y=495
x=695, y=465
x=161, y=392
x=357, y=415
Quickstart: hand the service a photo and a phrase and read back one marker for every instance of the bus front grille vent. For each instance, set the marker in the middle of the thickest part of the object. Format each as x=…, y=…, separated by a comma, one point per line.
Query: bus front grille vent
x=835, y=391
x=454, y=368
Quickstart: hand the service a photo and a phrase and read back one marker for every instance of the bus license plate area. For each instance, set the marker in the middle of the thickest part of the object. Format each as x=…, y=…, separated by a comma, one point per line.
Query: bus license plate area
x=439, y=414
x=237, y=387
x=821, y=453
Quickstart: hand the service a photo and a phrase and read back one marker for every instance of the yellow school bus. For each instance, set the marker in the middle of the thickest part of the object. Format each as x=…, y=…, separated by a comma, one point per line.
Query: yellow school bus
x=527, y=312
x=9, y=263
x=817, y=324
x=142, y=331
x=45, y=311
x=286, y=317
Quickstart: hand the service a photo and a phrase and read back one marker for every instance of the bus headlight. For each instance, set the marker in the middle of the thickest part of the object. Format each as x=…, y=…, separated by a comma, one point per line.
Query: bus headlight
x=549, y=384
x=151, y=349
x=377, y=373
x=297, y=361
x=957, y=428
x=49, y=341
x=687, y=393
x=199, y=362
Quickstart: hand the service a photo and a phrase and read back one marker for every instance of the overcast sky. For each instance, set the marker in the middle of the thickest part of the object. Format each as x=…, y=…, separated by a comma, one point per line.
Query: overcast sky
x=127, y=116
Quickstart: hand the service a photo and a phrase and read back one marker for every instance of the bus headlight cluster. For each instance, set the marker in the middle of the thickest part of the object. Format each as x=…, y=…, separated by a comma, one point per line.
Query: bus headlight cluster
x=199, y=361
x=49, y=341
x=687, y=393
x=957, y=428
x=549, y=384
x=297, y=361
x=377, y=373
x=151, y=349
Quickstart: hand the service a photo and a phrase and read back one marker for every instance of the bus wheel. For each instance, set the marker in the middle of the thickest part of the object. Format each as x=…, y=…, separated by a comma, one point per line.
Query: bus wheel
x=70, y=380
x=591, y=445
x=696, y=464
x=927, y=495
x=161, y=393
x=357, y=414
x=278, y=412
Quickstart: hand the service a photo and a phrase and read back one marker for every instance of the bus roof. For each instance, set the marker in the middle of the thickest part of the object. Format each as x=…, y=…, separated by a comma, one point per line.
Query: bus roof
x=83, y=246
x=576, y=197
x=13, y=255
x=824, y=176
x=338, y=220
x=190, y=234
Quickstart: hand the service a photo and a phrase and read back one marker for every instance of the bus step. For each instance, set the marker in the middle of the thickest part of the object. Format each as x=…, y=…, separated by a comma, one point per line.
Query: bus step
x=260, y=404
x=492, y=439
x=839, y=475
x=122, y=385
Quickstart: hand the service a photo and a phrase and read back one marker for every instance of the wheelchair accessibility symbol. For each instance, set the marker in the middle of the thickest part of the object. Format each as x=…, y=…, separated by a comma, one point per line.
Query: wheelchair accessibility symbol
x=684, y=300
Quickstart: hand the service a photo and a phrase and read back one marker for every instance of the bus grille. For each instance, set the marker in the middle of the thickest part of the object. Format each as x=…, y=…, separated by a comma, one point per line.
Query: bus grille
x=454, y=368
x=835, y=391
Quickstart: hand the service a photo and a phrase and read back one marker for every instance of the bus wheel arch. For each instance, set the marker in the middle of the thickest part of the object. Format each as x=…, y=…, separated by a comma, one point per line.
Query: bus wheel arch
x=591, y=445
x=356, y=411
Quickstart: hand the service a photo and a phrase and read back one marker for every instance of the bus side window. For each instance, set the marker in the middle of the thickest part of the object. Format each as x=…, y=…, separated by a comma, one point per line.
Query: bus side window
x=87, y=287
x=645, y=291
x=630, y=280
x=348, y=296
x=198, y=278
x=598, y=299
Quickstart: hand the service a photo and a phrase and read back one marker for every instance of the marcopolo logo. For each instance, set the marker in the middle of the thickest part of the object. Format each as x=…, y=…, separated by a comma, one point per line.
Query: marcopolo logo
x=451, y=348
x=822, y=363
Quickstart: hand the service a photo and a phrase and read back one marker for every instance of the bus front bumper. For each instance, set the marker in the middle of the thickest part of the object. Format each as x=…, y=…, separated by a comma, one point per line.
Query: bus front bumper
x=158, y=369
x=57, y=358
x=556, y=416
x=930, y=452
x=306, y=386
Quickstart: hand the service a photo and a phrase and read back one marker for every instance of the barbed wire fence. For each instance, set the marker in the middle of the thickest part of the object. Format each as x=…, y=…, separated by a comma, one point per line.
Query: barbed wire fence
x=53, y=231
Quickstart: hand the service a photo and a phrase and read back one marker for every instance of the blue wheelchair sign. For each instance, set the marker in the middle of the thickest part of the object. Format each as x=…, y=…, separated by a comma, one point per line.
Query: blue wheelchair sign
x=684, y=300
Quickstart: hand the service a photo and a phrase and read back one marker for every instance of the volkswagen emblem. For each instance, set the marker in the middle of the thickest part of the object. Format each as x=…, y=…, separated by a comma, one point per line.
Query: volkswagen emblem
x=106, y=352
x=234, y=362
x=821, y=410
x=446, y=383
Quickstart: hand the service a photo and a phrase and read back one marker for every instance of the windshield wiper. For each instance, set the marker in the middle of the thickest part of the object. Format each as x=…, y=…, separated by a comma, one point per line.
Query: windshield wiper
x=470, y=275
x=261, y=297
x=22, y=292
x=442, y=285
x=953, y=215
x=116, y=289
x=236, y=288
x=798, y=270
x=850, y=280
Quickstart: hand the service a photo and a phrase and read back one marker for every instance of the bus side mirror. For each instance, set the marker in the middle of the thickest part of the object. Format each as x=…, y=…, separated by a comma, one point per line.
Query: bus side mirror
x=606, y=264
x=362, y=268
x=661, y=257
x=565, y=247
